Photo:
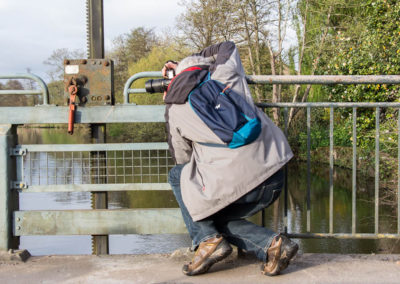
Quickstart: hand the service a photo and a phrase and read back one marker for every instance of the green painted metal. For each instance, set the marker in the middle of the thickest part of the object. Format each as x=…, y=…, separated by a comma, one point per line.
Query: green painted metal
x=146, y=221
x=354, y=174
x=377, y=127
x=99, y=222
x=96, y=114
x=331, y=117
x=8, y=198
x=135, y=77
x=92, y=147
x=286, y=79
x=323, y=79
x=308, y=169
x=328, y=105
x=44, y=91
x=128, y=113
x=343, y=236
x=95, y=187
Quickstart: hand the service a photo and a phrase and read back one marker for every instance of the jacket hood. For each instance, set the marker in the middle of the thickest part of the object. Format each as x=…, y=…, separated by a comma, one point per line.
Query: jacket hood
x=183, y=83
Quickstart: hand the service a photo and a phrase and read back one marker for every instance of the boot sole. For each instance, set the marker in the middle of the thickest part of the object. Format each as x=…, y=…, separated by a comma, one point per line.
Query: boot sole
x=282, y=263
x=217, y=256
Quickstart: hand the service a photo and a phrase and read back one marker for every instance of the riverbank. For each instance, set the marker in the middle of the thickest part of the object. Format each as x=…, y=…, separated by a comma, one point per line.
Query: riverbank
x=166, y=268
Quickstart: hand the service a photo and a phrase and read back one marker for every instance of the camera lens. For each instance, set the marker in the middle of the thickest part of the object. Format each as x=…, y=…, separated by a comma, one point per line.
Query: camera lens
x=156, y=85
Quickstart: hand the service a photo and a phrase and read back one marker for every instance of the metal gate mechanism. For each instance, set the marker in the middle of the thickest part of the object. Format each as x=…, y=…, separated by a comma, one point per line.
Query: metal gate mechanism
x=93, y=78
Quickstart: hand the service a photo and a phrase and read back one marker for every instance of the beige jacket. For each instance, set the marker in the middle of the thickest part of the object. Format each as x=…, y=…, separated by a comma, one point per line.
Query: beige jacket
x=215, y=175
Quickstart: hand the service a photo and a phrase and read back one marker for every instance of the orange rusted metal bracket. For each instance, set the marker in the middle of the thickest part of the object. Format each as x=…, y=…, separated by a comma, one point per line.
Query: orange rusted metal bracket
x=73, y=90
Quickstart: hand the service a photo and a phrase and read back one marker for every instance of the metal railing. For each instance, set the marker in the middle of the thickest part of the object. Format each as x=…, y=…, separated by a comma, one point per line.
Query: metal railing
x=354, y=107
x=56, y=168
x=43, y=87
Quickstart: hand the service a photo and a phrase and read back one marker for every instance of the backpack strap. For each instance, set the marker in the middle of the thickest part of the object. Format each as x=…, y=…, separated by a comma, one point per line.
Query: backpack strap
x=226, y=88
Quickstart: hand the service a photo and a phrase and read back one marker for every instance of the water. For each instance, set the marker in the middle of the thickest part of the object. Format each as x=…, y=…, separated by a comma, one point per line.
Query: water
x=138, y=244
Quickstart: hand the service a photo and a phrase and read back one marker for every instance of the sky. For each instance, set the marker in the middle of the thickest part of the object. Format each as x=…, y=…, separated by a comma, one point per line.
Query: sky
x=30, y=30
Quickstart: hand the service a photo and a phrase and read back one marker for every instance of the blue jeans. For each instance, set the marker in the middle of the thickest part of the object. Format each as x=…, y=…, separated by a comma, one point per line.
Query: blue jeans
x=230, y=221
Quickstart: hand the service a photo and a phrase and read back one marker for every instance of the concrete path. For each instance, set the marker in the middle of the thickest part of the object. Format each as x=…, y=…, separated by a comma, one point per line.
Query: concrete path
x=162, y=268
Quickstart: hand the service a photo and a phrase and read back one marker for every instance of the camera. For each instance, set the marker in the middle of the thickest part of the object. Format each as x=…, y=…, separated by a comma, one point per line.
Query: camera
x=159, y=85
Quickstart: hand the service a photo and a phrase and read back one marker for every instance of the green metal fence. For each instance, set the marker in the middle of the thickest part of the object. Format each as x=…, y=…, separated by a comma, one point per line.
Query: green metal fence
x=130, y=166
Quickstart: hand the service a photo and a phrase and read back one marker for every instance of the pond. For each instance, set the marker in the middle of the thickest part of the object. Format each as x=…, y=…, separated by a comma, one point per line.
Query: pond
x=297, y=185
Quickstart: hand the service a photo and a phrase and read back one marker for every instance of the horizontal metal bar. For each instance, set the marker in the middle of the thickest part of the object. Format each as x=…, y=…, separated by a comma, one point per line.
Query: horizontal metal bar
x=343, y=236
x=282, y=79
x=92, y=147
x=329, y=105
x=20, y=92
x=127, y=113
x=323, y=79
x=99, y=222
x=95, y=114
x=136, y=91
x=95, y=187
x=44, y=90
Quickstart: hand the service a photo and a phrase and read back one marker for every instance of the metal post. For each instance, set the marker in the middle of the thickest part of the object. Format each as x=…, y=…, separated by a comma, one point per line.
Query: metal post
x=331, y=164
x=377, y=170
x=308, y=169
x=100, y=243
x=354, y=176
x=398, y=172
x=286, y=174
x=8, y=198
x=95, y=27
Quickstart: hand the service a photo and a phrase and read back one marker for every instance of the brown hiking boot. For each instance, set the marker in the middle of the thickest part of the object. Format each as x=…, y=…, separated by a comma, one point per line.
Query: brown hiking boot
x=281, y=251
x=209, y=252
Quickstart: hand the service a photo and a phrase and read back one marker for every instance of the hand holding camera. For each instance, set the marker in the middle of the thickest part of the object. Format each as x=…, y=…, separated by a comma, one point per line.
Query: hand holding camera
x=161, y=85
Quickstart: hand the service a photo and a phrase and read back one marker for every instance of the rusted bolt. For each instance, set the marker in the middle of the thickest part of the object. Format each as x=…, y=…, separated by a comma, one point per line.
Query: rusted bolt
x=66, y=61
x=107, y=97
x=99, y=98
x=84, y=100
x=93, y=98
x=83, y=61
x=106, y=63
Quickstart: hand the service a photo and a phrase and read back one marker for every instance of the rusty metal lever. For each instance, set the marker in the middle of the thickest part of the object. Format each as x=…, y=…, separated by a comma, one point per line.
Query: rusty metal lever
x=73, y=90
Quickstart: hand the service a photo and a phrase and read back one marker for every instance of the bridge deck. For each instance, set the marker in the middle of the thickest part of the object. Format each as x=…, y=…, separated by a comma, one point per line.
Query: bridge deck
x=163, y=268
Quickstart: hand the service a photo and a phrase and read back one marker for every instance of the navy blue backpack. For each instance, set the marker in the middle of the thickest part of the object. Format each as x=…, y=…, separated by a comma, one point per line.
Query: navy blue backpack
x=225, y=112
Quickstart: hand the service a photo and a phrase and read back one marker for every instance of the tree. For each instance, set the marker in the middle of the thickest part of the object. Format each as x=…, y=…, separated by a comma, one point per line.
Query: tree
x=14, y=85
x=369, y=46
x=206, y=22
x=375, y=50
x=56, y=61
x=12, y=100
x=155, y=60
x=254, y=15
x=129, y=48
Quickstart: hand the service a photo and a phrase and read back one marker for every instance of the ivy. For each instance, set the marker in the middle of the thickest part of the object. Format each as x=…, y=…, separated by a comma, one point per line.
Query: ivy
x=374, y=51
